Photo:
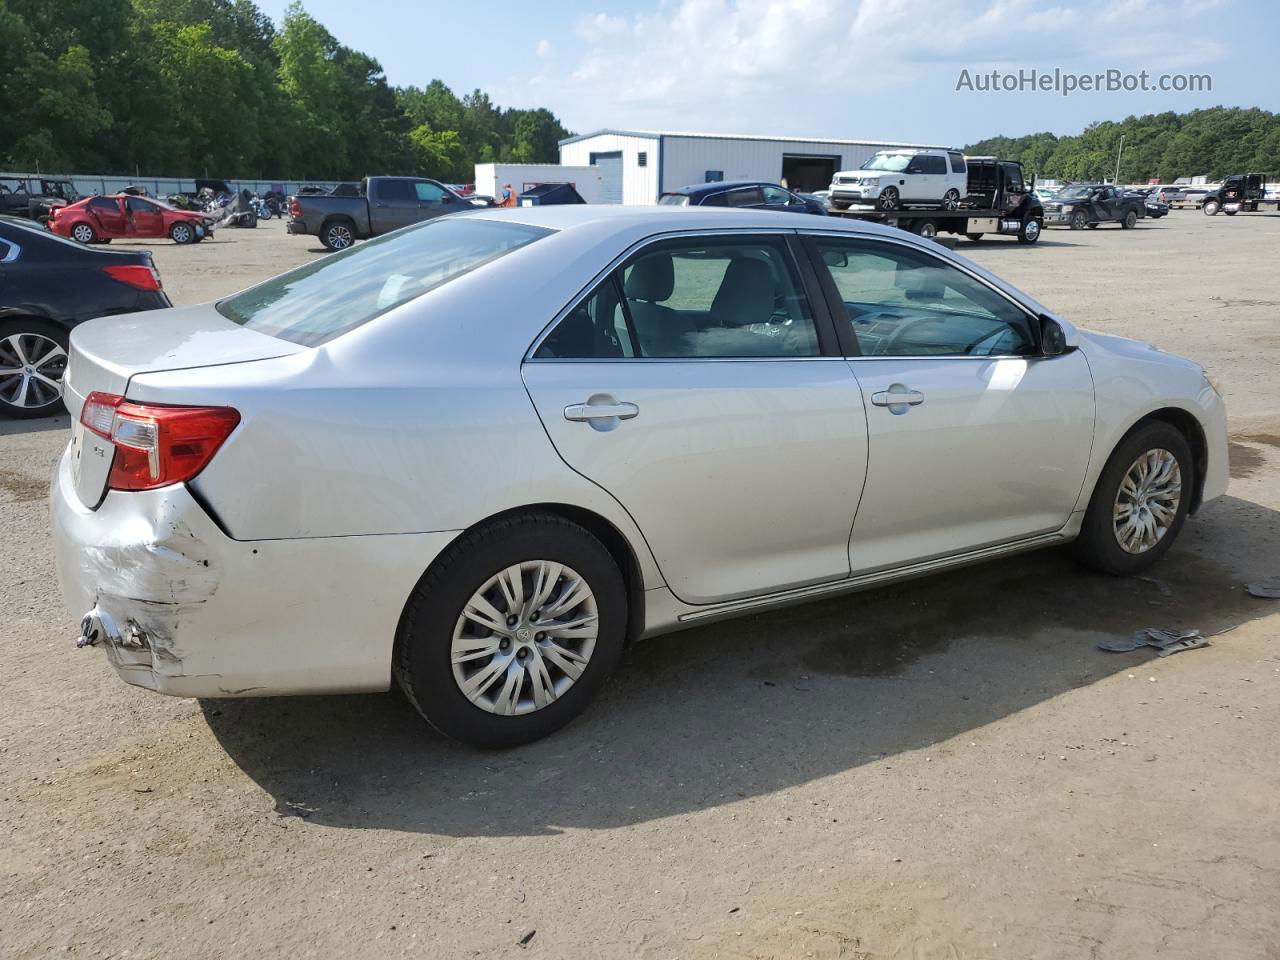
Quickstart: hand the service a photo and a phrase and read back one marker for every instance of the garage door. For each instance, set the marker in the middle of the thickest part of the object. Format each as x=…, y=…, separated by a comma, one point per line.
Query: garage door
x=610, y=165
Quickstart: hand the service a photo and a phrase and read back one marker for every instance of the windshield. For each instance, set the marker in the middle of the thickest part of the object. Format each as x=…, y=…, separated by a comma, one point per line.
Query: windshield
x=893, y=162
x=673, y=200
x=337, y=293
x=1074, y=193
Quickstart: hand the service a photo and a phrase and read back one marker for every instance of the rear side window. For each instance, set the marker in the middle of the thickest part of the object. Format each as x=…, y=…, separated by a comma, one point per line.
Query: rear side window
x=396, y=190
x=931, y=164
x=715, y=200
x=331, y=296
x=743, y=197
x=957, y=162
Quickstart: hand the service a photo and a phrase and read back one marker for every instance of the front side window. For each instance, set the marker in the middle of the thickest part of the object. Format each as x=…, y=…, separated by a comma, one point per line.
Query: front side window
x=428, y=192
x=330, y=296
x=693, y=298
x=902, y=302
x=1013, y=177
x=103, y=203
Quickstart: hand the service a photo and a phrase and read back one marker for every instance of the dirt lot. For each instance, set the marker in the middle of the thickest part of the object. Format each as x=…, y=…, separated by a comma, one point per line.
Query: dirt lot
x=947, y=769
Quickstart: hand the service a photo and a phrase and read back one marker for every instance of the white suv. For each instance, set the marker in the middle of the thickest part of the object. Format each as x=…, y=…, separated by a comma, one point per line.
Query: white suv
x=893, y=179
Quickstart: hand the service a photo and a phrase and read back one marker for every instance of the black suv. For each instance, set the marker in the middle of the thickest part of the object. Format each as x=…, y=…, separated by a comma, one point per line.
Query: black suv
x=742, y=193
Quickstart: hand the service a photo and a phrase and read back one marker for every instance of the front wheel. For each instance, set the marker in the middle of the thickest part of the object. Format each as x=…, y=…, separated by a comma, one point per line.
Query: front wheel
x=1140, y=501
x=888, y=199
x=512, y=632
x=1211, y=208
x=1031, y=230
x=182, y=233
x=33, y=359
x=1079, y=220
x=975, y=237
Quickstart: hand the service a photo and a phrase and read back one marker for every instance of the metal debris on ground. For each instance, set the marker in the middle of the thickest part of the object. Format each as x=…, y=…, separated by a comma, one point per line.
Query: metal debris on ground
x=1268, y=589
x=1167, y=642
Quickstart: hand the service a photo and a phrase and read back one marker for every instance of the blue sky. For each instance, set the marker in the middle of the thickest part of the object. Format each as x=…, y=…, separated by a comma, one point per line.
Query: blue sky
x=875, y=69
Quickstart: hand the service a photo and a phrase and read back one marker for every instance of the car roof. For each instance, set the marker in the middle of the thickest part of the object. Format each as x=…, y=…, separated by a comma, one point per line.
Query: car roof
x=658, y=218
x=722, y=185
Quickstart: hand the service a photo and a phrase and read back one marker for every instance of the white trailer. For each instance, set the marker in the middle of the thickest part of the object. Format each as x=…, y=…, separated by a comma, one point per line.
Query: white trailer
x=589, y=181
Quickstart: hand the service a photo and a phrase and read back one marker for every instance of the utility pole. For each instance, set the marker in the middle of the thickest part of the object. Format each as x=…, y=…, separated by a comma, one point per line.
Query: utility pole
x=1118, y=155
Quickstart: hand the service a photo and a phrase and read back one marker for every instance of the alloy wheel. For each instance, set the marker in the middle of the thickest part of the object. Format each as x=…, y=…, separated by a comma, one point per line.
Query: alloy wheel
x=951, y=200
x=82, y=232
x=1146, y=504
x=31, y=369
x=339, y=237
x=524, y=638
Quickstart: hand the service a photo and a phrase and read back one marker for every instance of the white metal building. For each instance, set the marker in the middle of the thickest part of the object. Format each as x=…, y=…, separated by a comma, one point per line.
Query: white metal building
x=589, y=181
x=638, y=165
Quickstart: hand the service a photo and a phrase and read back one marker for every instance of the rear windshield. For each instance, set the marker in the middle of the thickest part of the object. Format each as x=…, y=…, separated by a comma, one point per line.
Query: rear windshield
x=337, y=293
x=673, y=200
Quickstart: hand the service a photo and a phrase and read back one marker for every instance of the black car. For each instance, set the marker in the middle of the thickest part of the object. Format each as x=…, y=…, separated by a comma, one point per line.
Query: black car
x=742, y=193
x=48, y=284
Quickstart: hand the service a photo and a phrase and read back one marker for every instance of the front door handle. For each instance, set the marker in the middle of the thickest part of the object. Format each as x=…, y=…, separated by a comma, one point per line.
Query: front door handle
x=584, y=412
x=899, y=398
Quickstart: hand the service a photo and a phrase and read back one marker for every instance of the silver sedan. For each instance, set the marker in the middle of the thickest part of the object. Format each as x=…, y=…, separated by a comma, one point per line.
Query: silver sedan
x=480, y=455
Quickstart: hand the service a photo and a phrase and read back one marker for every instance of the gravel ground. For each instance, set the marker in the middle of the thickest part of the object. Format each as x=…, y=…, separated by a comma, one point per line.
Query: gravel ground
x=944, y=769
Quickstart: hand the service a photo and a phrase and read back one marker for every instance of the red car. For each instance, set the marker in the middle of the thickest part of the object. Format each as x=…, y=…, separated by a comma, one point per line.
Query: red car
x=98, y=219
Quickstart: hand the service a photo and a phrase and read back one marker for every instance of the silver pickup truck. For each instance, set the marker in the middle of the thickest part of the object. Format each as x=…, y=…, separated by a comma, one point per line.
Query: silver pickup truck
x=383, y=204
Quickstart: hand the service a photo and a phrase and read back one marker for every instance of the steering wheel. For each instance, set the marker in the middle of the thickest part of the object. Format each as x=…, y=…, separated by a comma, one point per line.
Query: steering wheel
x=903, y=329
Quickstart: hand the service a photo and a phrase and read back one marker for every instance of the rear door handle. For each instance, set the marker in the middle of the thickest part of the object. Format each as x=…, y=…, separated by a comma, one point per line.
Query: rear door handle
x=583, y=412
x=897, y=398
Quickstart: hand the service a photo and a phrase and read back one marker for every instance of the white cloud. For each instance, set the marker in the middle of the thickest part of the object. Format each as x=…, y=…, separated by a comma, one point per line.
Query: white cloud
x=544, y=48
x=783, y=65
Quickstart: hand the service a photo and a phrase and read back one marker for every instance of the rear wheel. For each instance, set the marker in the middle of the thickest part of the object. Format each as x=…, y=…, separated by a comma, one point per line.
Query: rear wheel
x=33, y=359
x=1140, y=501
x=182, y=233
x=1230, y=213
x=926, y=228
x=512, y=632
x=975, y=237
x=83, y=233
x=951, y=199
x=337, y=235
x=1130, y=220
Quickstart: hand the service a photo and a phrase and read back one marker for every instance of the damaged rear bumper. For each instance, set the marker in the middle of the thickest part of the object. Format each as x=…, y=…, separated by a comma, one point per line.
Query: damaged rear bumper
x=194, y=613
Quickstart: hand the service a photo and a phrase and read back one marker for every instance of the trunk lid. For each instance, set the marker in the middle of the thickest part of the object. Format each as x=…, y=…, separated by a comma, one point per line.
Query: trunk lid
x=108, y=352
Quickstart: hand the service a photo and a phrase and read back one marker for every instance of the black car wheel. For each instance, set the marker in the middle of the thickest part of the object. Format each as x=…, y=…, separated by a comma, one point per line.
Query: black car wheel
x=1130, y=220
x=337, y=235
x=1079, y=220
x=1211, y=208
x=33, y=359
x=1032, y=227
x=926, y=228
x=512, y=631
x=975, y=237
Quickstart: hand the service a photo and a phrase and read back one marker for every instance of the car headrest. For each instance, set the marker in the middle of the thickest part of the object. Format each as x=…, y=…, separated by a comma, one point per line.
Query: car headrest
x=652, y=278
x=746, y=294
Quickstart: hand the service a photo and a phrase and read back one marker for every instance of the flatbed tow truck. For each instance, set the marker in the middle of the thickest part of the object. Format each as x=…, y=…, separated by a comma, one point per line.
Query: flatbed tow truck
x=999, y=201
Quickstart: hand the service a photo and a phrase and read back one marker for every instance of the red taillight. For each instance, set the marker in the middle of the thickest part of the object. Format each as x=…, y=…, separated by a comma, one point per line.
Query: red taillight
x=156, y=446
x=142, y=277
x=295, y=208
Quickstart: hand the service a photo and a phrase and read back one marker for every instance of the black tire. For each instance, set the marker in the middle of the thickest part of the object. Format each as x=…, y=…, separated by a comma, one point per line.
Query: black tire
x=1211, y=208
x=1098, y=545
x=1079, y=220
x=182, y=233
x=250, y=221
x=888, y=199
x=975, y=237
x=1130, y=221
x=951, y=199
x=1031, y=230
x=423, y=662
x=925, y=228
x=83, y=232
x=33, y=335
x=1230, y=213
x=338, y=235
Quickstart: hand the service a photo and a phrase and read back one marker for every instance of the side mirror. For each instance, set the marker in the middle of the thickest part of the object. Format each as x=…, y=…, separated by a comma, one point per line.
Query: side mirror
x=835, y=258
x=1053, y=339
